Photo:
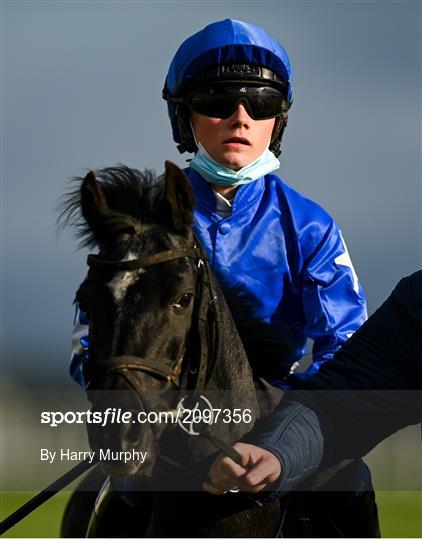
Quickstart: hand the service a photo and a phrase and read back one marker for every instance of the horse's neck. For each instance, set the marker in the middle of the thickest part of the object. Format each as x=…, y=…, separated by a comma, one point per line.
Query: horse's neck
x=232, y=370
x=230, y=381
x=229, y=387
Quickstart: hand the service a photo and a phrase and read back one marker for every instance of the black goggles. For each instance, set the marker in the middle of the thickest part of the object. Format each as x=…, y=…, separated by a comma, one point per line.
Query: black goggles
x=220, y=101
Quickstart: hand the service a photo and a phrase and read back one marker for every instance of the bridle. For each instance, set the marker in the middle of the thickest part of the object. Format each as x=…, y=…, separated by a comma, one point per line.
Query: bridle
x=147, y=260
x=125, y=365
x=204, y=346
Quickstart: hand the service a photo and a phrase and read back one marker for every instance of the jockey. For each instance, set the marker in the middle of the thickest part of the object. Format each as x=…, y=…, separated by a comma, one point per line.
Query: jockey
x=228, y=91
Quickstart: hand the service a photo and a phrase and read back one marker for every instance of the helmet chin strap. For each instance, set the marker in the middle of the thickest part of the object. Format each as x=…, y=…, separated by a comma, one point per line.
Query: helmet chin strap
x=277, y=134
x=193, y=134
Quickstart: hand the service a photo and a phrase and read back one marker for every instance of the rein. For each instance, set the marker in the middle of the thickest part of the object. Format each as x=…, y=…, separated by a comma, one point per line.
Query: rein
x=46, y=494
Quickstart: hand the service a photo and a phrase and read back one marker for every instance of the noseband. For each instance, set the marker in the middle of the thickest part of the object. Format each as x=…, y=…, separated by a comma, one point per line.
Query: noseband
x=126, y=364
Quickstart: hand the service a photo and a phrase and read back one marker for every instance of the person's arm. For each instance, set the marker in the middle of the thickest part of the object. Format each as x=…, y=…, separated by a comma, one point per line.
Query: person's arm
x=282, y=450
x=368, y=391
x=333, y=301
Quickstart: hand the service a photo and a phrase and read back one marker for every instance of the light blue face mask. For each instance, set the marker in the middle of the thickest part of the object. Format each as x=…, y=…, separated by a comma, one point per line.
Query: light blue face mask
x=215, y=173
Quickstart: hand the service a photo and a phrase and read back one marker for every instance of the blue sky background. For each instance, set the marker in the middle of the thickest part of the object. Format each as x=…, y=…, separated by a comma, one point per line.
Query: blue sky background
x=81, y=88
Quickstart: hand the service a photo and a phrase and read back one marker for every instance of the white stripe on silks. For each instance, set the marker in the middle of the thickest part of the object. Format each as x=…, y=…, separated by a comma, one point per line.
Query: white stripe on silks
x=345, y=260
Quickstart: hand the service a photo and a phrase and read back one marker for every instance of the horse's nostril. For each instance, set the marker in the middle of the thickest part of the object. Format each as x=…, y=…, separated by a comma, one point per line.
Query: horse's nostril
x=133, y=433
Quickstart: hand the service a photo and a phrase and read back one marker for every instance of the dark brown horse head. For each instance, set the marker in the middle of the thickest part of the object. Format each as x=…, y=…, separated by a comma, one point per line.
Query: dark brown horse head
x=139, y=296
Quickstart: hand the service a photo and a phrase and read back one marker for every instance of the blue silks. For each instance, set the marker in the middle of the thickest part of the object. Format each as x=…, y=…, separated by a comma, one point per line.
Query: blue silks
x=287, y=256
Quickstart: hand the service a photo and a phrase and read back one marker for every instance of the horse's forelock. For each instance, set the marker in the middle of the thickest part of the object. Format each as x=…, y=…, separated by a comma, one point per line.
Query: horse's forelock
x=130, y=194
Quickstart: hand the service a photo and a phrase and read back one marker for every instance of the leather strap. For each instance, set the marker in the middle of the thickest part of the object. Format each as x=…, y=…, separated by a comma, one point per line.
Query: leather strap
x=95, y=261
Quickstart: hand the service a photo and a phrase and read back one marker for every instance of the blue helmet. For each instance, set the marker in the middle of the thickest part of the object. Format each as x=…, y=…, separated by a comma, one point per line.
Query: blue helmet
x=226, y=42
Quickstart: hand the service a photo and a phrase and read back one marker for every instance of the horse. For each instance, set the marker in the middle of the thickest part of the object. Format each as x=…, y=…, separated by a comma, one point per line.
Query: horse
x=161, y=329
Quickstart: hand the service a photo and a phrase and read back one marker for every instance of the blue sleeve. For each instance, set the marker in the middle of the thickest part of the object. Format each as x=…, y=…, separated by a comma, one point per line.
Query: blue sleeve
x=80, y=344
x=333, y=300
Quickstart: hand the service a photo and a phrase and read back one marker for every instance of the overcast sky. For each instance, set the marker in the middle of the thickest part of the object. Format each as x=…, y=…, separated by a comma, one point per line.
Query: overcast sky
x=81, y=88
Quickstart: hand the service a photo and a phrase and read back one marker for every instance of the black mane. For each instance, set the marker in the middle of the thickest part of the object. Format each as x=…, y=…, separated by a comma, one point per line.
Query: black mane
x=128, y=192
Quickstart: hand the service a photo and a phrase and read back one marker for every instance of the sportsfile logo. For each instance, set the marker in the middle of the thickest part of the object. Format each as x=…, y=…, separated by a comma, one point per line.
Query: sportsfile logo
x=189, y=418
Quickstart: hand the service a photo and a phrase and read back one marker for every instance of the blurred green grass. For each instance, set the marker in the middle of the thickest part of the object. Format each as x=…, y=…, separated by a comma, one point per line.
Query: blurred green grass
x=400, y=514
x=43, y=522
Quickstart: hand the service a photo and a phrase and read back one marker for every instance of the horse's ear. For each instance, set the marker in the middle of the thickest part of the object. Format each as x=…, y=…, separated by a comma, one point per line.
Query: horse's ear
x=179, y=197
x=93, y=202
x=103, y=221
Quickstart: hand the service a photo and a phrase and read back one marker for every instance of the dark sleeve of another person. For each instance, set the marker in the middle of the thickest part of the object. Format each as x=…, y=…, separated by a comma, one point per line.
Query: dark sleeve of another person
x=371, y=389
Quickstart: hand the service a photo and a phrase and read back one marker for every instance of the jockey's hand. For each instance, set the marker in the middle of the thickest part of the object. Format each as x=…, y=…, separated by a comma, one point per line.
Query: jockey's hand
x=259, y=469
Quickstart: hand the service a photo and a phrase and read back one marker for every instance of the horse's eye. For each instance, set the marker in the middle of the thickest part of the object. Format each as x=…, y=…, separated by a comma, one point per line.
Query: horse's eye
x=183, y=302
